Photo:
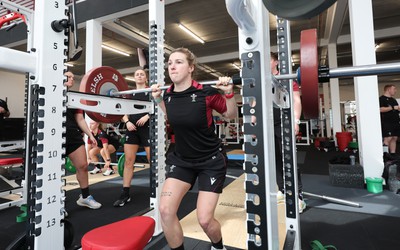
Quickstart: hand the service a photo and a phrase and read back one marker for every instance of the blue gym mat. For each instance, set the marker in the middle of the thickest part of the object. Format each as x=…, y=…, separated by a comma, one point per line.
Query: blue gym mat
x=143, y=153
x=236, y=157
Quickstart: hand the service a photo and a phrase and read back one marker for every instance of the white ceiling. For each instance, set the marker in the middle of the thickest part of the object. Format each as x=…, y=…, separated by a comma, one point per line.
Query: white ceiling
x=210, y=20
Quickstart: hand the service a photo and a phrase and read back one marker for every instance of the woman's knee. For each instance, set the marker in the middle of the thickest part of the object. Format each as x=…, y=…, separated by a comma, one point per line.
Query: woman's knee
x=128, y=164
x=204, y=220
x=166, y=212
x=81, y=166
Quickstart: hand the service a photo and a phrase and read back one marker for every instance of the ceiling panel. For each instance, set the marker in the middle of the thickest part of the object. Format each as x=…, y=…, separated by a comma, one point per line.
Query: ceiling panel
x=210, y=20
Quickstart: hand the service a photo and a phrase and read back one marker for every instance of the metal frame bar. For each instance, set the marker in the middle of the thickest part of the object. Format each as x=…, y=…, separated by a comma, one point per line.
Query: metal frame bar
x=307, y=137
x=11, y=145
x=108, y=105
x=157, y=120
x=289, y=157
x=251, y=18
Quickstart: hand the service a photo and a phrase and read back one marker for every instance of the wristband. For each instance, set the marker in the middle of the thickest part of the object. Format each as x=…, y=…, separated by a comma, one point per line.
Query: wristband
x=297, y=121
x=127, y=121
x=158, y=100
x=229, y=95
x=108, y=160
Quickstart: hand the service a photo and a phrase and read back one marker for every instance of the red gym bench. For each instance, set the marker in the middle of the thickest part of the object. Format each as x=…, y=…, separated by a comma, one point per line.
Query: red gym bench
x=129, y=234
x=10, y=161
x=9, y=186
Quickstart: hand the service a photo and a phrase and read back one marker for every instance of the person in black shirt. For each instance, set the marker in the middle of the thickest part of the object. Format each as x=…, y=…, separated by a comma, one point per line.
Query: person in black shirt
x=137, y=135
x=75, y=149
x=198, y=153
x=4, y=113
x=390, y=120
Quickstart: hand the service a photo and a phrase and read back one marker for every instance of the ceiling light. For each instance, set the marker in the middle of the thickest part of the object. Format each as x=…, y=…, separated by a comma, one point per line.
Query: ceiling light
x=377, y=46
x=115, y=50
x=190, y=33
x=69, y=64
x=129, y=78
x=234, y=65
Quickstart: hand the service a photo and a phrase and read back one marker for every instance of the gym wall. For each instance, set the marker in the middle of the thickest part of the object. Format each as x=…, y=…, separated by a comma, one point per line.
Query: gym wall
x=13, y=88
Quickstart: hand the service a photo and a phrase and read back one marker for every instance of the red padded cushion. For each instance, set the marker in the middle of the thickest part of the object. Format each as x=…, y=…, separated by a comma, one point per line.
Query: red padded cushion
x=10, y=161
x=129, y=234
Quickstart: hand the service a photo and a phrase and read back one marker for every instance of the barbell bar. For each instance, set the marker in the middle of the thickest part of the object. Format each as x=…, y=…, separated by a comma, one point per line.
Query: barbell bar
x=235, y=80
x=325, y=73
x=309, y=74
x=121, y=165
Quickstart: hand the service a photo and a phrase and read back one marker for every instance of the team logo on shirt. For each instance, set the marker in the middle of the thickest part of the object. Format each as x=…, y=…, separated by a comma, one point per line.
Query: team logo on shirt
x=212, y=179
x=169, y=99
x=171, y=169
x=193, y=97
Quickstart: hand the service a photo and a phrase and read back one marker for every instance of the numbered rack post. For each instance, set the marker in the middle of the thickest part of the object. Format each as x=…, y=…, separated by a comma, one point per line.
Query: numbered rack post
x=261, y=203
x=45, y=130
x=157, y=121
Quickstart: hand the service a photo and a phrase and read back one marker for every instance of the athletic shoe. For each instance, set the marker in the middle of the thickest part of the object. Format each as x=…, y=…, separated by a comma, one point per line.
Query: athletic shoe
x=280, y=197
x=95, y=170
x=302, y=206
x=88, y=202
x=108, y=172
x=123, y=199
x=213, y=248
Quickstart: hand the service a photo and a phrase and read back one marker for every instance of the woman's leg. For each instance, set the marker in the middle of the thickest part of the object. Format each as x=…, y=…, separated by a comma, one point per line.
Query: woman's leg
x=111, y=150
x=93, y=154
x=147, y=149
x=79, y=160
x=206, y=204
x=94, y=158
x=130, y=151
x=171, y=197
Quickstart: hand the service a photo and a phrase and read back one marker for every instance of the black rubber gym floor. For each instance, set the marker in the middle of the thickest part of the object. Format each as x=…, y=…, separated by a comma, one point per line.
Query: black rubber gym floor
x=369, y=228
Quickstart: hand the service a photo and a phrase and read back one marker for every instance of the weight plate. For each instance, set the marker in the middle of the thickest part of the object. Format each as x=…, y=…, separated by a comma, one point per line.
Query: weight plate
x=68, y=166
x=297, y=9
x=101, y=81
x=309, y=73
x=121, y=163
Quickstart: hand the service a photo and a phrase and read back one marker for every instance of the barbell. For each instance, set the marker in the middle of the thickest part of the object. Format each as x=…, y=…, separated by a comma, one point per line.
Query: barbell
x=235, y=80
x=109, y=82
x=309, y=74
x=121, y=165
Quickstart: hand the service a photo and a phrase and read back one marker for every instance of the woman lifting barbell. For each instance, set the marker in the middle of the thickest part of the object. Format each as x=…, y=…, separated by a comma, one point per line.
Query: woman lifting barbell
x=75, y=148
x=106, y=145
x=198, y=151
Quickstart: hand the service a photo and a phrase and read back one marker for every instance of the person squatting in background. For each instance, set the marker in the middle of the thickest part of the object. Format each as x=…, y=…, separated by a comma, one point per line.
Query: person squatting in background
x=106, y=145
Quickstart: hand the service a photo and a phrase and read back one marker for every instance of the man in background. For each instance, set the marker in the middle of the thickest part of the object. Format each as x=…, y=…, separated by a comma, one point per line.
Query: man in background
x=390, y=120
